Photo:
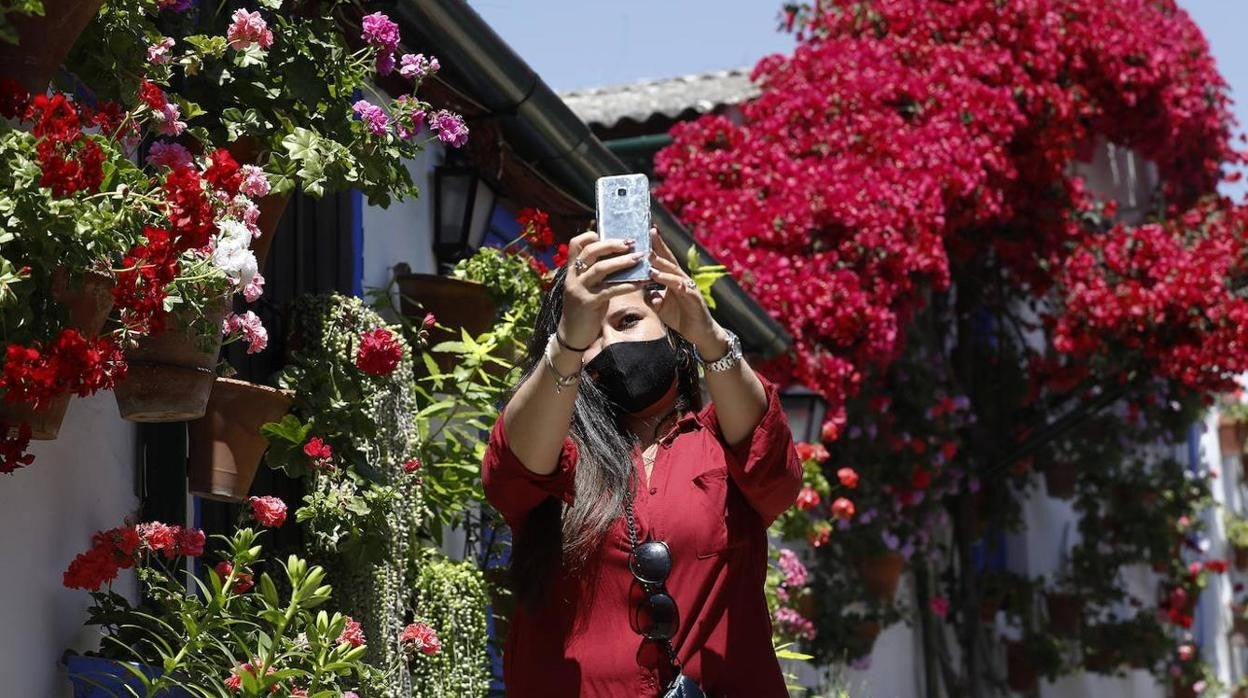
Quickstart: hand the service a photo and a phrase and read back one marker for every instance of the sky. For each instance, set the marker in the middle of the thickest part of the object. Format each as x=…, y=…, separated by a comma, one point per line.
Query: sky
x=592, y=43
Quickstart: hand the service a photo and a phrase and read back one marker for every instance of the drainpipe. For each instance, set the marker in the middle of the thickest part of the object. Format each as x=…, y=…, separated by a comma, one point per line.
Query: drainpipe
x=549, y=135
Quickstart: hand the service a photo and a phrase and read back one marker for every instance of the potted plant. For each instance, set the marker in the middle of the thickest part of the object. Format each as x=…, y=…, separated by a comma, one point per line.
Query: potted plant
x=73, y=205
x=1060, y=477
x=171, y=373
x=37, y=35
x=230, y=631
x=495, y=290
x=1237, y=537
x=1065, y=612
x=290, y=91
x=225, y=445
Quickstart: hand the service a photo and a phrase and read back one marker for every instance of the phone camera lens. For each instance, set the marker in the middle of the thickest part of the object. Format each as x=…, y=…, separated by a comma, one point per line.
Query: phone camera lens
x=621, y=191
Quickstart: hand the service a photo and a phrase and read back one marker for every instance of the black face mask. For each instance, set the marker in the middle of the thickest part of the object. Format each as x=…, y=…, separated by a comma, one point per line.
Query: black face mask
x=634, y=375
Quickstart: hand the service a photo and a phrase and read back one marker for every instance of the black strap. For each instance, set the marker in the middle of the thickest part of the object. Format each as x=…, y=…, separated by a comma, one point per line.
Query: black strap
x=567, y=346
x=630, y=517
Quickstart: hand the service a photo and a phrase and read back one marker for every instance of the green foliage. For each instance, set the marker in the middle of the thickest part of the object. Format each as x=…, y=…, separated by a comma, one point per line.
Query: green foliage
x=451, y=598
x=363, y=515
x=1236, y=529
x=704, y=275
x=9, y=8
x=199, y=637
x=293, y=101
x=40, y=232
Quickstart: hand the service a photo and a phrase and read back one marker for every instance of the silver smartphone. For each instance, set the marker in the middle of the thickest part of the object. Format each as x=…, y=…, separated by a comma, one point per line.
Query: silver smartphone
x=623, y=209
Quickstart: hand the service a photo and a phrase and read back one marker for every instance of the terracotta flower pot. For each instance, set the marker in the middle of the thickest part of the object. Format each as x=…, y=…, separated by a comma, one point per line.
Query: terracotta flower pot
x=881, y=575
x=1065, y=613
x=1101, y=661
x=226, y=445
x=248, y=151
x=1241, y=558
x=1059, y=480
x=171, y=376
x=88, y=301
x=1231, y=437
x=1239, y=623
x=43, y=42
x=1021, y=672
x=455, y=303
x=865, y=634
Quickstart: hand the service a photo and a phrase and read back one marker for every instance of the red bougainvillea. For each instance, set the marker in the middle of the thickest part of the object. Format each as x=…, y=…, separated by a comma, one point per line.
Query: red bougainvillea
x=904, y=138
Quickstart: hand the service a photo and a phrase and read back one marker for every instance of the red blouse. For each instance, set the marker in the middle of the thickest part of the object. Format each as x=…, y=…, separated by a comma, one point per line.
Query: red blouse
x=711, y=504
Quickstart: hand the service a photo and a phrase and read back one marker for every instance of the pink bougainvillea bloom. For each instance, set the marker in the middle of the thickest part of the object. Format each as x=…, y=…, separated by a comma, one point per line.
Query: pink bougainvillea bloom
x=248, y=28
x=421, y=637
x=450, y=128
x=939, y=606
x=1186, y=652
x=269, y=511
x=373, y=116
x=411, y=465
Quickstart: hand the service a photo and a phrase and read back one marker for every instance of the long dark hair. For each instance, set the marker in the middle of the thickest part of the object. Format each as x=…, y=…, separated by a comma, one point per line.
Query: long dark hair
x=555, y=533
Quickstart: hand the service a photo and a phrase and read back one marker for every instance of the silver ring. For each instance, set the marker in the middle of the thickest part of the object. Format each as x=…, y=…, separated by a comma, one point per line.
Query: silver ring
x=579, y=265
x=691, y=283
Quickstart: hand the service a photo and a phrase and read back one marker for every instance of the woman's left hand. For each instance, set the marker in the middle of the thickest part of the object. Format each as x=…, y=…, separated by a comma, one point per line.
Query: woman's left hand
x=680, y=305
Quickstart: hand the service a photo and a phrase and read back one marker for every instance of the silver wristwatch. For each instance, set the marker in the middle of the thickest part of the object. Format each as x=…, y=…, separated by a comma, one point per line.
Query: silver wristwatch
x=727, y=361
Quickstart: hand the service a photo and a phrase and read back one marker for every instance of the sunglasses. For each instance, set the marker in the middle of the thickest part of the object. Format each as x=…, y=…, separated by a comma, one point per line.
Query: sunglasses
x=656, y=617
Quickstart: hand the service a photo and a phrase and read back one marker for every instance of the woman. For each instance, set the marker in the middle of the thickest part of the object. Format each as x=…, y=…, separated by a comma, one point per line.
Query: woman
x=606, y=427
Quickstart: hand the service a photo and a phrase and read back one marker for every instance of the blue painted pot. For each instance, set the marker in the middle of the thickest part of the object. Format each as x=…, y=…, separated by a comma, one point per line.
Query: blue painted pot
x=93, y=677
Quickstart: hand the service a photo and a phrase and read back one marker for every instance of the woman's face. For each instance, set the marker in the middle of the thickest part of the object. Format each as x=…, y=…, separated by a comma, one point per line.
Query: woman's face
x=629, y=318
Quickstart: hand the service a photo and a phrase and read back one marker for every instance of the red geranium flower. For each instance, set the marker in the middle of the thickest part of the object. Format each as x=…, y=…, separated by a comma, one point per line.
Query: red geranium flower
x=379, y=352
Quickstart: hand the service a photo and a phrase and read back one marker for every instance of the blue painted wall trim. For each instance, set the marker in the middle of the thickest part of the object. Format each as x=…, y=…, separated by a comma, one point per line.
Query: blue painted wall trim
x=357, y=242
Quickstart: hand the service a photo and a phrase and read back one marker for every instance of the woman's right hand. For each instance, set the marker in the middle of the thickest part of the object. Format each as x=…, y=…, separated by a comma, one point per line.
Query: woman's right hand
x=585, y=296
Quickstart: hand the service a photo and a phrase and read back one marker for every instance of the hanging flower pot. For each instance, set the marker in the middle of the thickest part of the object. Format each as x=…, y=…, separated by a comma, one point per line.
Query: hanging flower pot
x=881, y=574
x=88, y=302
x=1241, y=558
x=865, y=634
x=455, y=303
x=1059, y=479
x=1231, y=435
x=43, y=42
x=248, y=150
x=1065, y=613
x=94, y=677
x=1239, y=623
x=170, y=375
x=225, y=444
x=1021, y=672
